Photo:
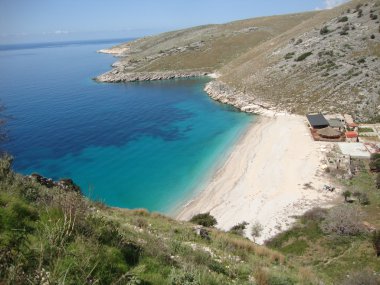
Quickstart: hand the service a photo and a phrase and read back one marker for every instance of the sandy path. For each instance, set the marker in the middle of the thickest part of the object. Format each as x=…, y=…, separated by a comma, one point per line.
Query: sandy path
x=263, y=179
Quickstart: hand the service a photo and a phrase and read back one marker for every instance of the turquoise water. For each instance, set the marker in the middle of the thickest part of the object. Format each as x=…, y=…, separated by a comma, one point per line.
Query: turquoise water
x=136, y=145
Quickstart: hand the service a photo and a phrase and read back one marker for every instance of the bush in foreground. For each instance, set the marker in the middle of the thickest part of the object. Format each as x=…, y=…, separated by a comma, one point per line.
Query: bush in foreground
x=204, y=219
x=361, y=278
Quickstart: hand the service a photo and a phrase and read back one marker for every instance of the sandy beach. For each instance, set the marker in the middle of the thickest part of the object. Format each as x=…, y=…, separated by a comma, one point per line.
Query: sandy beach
x=265, y=178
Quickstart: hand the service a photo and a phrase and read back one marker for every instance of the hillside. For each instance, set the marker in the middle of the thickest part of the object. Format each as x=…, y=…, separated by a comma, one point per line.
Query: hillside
x=50, y=234
x=318, y=61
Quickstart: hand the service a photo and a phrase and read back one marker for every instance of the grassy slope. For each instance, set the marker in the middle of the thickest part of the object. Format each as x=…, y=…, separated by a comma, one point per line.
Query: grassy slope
x=51, y=236
x=335, y=257
x=222, y=43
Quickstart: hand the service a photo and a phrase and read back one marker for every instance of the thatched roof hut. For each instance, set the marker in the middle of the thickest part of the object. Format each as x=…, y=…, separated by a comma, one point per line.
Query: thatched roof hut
x=329, y=133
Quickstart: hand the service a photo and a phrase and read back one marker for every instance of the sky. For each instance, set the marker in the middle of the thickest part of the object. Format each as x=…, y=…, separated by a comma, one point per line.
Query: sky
x=59, y=20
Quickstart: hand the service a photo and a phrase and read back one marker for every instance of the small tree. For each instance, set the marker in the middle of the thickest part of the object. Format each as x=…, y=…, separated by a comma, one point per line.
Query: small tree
x=204, y=219
x=256, y=230
x=376, y=242
x=239, y=229
x=346, y=194
x=343, y=220
x=378, y=181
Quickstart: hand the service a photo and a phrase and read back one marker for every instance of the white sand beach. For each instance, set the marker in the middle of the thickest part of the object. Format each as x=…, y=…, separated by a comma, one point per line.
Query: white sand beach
x=264, y=178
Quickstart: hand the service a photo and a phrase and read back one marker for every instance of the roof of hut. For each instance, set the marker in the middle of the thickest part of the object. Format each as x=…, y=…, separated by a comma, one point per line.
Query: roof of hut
x=329, y=132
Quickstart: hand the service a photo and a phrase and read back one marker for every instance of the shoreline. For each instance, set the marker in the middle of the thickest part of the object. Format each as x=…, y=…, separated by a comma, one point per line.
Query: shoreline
x=263, y=178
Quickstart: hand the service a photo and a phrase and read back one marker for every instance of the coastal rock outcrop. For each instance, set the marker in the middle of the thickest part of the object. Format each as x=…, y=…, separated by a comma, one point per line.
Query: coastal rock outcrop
x=116, y=75
x=223, y=93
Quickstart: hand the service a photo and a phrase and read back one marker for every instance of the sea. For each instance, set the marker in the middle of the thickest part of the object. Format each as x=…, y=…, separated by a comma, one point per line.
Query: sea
x=131, y=145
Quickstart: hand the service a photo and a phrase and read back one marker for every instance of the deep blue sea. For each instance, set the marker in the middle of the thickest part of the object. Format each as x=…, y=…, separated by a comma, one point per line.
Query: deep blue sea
x=135, y=145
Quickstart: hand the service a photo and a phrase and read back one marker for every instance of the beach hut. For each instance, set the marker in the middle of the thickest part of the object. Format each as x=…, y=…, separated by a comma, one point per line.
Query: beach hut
x=317, y=121
x=336, y=124
x=329, y=133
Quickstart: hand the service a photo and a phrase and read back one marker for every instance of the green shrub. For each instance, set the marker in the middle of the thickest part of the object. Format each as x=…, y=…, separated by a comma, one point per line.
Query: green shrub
x=315, y=214
x=374, y=165
x=184, y=277
x=238, y=229
x=343, y=19
x=376, y=242
x=378, y=181
x=280, y=280
x=346, y=194
x=361, y=278
x=362, y=197
x=256, y=230
x=325, y=30
x=289, y=55
x=204, y=219
x=303, y=56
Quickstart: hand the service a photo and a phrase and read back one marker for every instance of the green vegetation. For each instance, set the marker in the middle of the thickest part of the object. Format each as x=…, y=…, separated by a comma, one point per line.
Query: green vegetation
x=374, y=164
x=343, y=19
x=303, y=56
x=325, y=30
x=205, y=220
x=289, y=55
x=365, y=129
x=334, y=242
x=56, y=236
x=239, y=229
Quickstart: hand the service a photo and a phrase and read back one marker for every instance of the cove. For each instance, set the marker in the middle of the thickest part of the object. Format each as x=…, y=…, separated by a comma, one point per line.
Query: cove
x=135, y=145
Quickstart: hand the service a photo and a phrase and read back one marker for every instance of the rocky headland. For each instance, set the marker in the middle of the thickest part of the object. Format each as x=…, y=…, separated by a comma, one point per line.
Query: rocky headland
x=323, y=61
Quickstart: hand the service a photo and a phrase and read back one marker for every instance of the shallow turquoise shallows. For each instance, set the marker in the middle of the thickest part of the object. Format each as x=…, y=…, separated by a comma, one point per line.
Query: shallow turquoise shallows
x=136, y=145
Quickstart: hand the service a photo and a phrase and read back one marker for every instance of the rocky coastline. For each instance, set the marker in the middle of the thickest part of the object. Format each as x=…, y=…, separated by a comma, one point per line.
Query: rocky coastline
x=116, y=75
x=223, y=93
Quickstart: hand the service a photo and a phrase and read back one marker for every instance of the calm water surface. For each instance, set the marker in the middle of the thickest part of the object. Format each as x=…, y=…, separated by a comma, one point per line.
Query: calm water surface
x=129, y=145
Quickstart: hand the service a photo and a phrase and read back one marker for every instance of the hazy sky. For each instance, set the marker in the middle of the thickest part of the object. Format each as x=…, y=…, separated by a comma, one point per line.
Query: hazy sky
x=46, y=20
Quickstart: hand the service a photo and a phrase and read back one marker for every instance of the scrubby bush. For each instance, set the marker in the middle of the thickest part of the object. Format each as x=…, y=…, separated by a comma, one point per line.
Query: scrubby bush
x=378, y=181
x=325, y=30
x=362, y=197
x=362, y=278
x=316, y=214
x=376, y=242
x=184, y=277
x=289, y=55
x=303, y=56
x=374, y=165
x=204, y=219
x=343, y=220
x=239, y=229
x=299, y=41
x=372, y=37
x=360, y=13
x=345, y=30
x=343, y=19
x=256, y=230
x=346, y=194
